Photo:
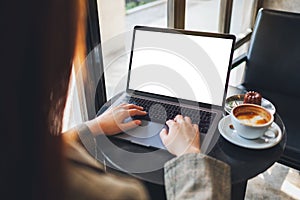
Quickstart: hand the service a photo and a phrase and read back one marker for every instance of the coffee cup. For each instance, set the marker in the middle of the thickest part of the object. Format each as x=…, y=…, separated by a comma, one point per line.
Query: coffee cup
x=251, y=121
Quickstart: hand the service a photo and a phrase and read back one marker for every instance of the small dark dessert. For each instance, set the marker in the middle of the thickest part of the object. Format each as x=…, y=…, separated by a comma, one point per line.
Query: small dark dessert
x=252, y=97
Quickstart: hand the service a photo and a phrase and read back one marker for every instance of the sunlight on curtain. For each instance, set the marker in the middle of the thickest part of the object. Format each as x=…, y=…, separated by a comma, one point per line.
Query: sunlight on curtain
x=75, y=110
x=80, y=105
x=72, y=114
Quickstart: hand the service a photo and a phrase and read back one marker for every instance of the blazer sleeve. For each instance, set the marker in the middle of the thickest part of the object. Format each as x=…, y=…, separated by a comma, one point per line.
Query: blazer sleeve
x=86, y=177
x=197, y=176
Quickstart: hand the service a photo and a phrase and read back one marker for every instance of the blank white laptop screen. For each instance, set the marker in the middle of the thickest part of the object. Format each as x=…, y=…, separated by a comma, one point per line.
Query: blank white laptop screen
x=190, y=67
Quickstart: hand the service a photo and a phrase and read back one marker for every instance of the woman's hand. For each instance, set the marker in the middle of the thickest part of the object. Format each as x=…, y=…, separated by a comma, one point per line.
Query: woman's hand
x=112, y=121
x=183, y=136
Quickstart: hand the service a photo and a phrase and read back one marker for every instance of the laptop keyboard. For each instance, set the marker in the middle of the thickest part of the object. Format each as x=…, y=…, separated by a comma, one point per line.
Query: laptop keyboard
x=161, y=112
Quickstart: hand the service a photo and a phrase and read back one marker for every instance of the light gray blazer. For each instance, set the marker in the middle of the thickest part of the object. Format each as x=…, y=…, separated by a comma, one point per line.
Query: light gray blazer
x=190, y=176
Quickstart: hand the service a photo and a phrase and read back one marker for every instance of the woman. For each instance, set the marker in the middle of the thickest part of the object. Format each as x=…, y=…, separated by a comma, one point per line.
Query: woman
x=41, y=41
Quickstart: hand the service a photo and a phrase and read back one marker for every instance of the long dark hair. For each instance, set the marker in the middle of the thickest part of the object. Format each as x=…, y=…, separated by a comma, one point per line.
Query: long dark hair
x=39, y=42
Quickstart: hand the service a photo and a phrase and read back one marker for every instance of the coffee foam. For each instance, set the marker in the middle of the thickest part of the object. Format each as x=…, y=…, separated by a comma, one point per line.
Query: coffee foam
x=255, y=120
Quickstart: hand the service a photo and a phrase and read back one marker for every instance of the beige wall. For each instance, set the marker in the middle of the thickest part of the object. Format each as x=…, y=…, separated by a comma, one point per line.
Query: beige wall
x=286, y=5
x=111, y=17
x=112, y=25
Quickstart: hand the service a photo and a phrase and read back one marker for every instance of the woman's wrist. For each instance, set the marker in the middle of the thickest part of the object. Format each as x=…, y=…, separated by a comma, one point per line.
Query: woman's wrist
x=94, y=127
x=192, y=150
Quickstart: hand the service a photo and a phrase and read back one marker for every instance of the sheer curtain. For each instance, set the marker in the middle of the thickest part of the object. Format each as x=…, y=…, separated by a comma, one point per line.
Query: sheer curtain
x=87, y=71
x=85, y=76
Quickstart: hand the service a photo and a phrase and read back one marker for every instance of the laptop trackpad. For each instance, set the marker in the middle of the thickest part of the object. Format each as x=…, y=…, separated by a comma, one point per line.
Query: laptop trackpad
x=147, y=134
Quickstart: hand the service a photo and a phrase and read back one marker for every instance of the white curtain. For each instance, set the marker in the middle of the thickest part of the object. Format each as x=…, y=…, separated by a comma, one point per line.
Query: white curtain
x=85, y=76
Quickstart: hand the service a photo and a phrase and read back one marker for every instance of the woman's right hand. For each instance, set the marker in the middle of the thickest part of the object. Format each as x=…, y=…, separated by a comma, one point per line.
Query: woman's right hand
x=183, y=136
x=112, y=121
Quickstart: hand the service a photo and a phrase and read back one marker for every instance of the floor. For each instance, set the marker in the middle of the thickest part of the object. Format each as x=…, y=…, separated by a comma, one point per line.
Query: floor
x=277, y=183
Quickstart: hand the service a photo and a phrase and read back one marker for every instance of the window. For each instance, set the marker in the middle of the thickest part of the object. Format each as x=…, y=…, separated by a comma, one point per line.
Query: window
x=116, y=20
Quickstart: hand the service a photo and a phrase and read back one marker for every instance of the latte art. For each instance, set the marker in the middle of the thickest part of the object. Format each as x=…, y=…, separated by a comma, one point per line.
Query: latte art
x=251, y=119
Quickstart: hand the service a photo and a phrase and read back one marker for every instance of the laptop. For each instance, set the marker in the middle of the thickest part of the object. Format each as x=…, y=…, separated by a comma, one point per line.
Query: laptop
x=177, y=72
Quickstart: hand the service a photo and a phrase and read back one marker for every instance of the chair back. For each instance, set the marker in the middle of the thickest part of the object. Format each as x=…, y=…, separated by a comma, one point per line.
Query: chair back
x=273, y=60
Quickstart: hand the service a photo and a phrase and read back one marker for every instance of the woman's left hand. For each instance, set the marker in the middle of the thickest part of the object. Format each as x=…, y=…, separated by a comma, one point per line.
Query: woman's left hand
x=112, y=121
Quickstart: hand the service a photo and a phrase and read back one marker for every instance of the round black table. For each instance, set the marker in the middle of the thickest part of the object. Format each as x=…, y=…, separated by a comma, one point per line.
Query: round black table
x=245, y=163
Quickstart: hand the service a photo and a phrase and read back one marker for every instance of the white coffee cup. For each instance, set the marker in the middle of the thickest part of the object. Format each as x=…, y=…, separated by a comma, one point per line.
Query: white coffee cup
x=251, y=121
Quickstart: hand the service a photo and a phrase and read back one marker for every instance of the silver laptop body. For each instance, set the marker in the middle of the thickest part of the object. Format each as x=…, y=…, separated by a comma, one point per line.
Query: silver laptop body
x=170, y=68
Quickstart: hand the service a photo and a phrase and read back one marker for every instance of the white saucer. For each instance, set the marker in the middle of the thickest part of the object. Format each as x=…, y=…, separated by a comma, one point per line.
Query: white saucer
x=238, y=99
x=263, y=142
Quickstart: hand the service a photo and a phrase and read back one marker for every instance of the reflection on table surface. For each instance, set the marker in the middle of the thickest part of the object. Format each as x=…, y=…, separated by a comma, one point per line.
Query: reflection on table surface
x=245, y=163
